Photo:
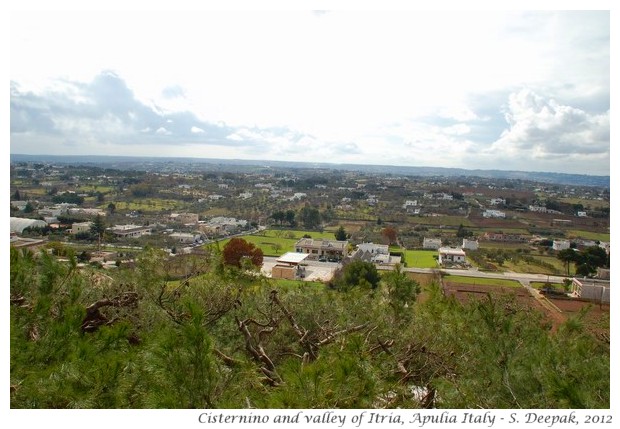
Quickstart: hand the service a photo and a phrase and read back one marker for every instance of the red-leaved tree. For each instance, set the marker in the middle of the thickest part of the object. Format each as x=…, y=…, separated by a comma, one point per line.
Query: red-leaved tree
x=389, y=234
x=237, y=249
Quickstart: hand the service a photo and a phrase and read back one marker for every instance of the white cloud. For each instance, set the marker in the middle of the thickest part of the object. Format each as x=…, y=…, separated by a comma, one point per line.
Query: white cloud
x=163, y=131
x=457, y=130
x=545, y=128
x=372, y=80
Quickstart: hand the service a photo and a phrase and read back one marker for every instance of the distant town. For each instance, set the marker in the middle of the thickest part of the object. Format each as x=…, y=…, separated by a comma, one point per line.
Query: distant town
x=145, y=230
x=491, y=224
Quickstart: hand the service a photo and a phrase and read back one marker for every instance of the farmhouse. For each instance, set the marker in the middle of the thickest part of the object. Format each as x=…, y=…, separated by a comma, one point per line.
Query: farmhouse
x=79, y=227
x=316, y=249
x=453, y=255
x=470, y=244
x=375, y=253
x=561, y=244
x=130, y=231
x=505, y=238
x=494, y=214
x=184, y=218
x=186, y=238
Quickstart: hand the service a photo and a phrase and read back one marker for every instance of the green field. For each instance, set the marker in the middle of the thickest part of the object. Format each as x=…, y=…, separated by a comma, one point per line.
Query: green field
x=421, y=258
x=481, y=281
x=588, y=235
x=595, y=204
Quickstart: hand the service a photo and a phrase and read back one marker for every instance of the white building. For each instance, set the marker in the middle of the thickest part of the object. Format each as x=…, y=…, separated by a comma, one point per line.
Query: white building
x=561, y=244
x=79, y=227
x=451, y=255
x=130, y=231
x=185, y=237
x=540, y=209
x=493, y=214
x=592, y=289
x=470, y=244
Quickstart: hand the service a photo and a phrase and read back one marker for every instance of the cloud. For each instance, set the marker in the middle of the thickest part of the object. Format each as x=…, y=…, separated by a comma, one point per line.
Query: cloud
x=174, y=91
x=105, y=111
x=544, y=128
x=163, y=131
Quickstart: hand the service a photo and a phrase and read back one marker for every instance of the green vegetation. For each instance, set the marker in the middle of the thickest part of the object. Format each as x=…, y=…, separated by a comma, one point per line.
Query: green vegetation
x=285, y=284
x=540, y=285
x=421, y=258
x=147, y=205
x=585, y=202
x=226, y=339
x=588, y=235
x=481, y=281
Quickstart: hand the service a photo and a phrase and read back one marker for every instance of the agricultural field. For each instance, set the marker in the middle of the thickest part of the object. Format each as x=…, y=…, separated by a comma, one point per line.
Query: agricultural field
x=94, y=188
x=594, y=204
x=588, y=235
x=147, y=205
x=480, y=281
x=454, y=221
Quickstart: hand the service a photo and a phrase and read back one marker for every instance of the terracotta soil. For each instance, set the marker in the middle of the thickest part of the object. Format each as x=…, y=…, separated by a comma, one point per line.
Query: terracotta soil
x=596, y=319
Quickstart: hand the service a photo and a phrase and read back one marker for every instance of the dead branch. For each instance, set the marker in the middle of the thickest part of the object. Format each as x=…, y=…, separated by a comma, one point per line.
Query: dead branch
x=332, y=336
x=94, y=319
x=300, y=333
x=256, y=350
x=228, y=361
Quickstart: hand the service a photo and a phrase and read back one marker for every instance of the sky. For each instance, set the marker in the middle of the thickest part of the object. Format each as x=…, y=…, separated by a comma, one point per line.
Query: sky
x=478, y=89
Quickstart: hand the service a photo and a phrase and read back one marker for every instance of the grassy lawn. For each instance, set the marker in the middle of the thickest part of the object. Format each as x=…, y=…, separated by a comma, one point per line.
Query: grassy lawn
x=587, y=235
x=482, y=281
x=421, y=258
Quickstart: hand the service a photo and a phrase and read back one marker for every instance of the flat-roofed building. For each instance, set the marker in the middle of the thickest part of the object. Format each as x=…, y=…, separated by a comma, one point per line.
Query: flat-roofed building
x=331, y=249
x=130, y=231
x=79, y=227
x=453, y=255
x=592, y=289
x=290, y=266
